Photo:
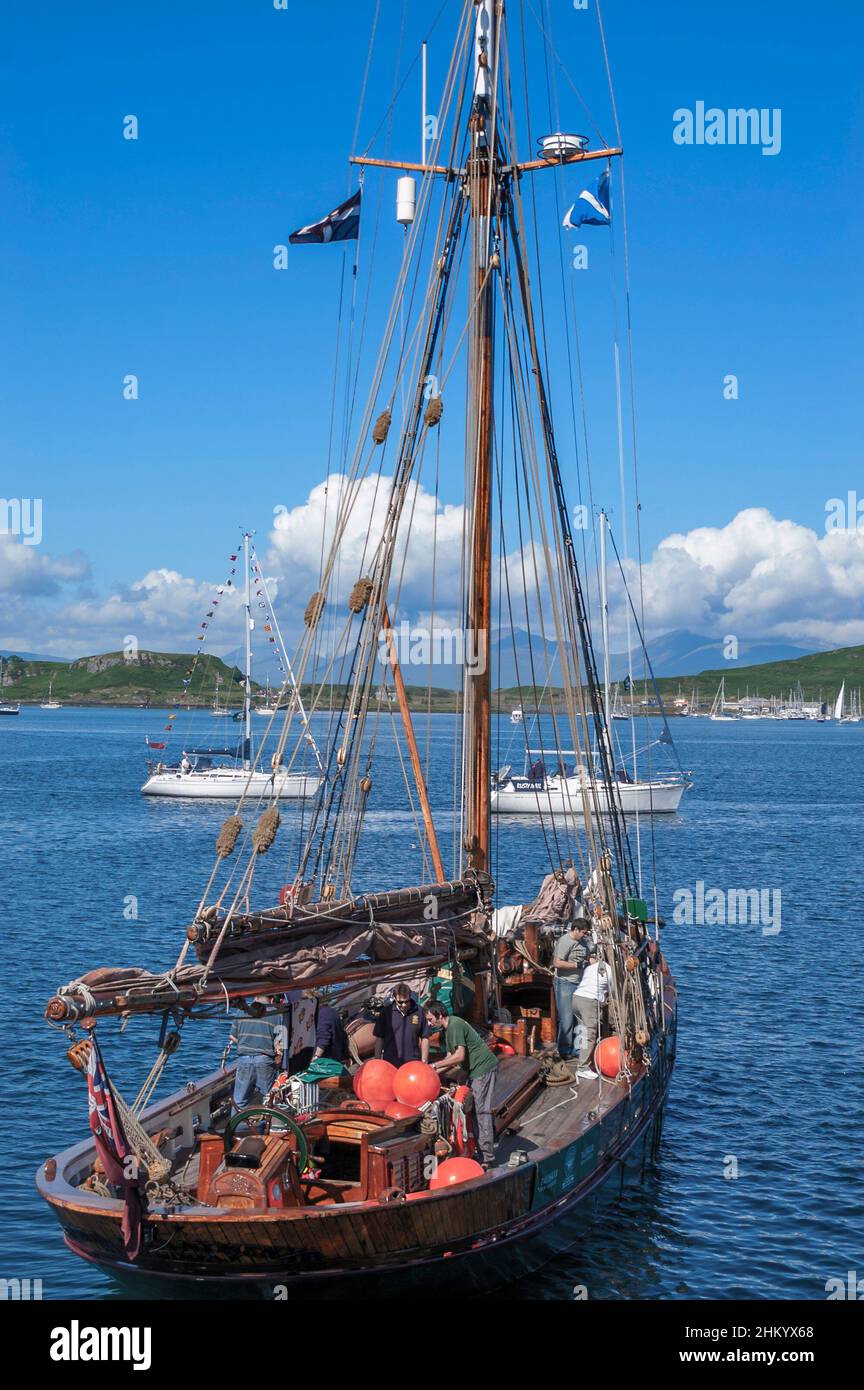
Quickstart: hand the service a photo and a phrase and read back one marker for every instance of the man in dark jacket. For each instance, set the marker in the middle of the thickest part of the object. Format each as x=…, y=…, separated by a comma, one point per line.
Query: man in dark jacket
x=331, y=1040
x=401, y=1030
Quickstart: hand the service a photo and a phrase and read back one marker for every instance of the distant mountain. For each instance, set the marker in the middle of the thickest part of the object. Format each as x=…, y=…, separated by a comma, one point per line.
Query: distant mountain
x=31, y=656
x=678, y=653
x=511, y=660
x=683, y=653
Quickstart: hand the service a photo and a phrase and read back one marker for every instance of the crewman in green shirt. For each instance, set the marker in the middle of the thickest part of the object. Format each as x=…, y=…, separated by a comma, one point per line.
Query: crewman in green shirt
x=466, y=1049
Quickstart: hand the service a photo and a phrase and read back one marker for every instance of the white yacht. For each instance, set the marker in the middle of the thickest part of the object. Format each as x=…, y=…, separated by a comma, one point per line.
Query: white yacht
x=558, y=783
x=219, y=711
x=198, y=775
x=719, y=713
x=51, y=703
x=229, y=773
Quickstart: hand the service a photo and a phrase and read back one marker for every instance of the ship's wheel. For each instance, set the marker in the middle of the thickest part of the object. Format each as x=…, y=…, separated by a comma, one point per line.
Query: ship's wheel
x=299, y=1145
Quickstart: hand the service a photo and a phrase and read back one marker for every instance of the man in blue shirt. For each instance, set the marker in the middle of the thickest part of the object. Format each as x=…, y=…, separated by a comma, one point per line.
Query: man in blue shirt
x=259, y=1054
x=401, y=1030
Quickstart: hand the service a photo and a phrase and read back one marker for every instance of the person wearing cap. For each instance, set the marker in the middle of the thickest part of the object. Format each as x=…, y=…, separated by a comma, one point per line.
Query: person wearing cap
x=259, y=1053
x=571, y=954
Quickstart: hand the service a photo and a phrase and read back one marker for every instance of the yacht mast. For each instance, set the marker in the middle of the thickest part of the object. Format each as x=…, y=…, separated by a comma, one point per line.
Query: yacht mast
x=604, y=620
x=247, y=683
x=482, y=193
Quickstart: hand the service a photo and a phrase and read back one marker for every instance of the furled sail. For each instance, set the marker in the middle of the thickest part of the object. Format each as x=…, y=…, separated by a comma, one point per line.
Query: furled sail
x=325, y=943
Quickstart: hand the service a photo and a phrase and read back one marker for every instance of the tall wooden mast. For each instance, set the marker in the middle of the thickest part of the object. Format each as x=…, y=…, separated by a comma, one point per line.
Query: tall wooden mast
x=482, y=192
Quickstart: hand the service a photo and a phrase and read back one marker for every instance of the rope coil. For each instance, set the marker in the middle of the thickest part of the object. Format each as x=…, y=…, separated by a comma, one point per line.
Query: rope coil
x=265, y=831
x=314, y=609
x=228, y=836
x=434, y=410
x=381, y=428
x=360, y=594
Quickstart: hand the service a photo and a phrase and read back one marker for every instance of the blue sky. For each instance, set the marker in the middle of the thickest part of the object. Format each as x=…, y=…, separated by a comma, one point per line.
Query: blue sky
x=154, y=257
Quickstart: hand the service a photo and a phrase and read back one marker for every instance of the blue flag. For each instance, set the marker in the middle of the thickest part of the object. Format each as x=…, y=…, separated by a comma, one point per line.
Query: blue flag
x=592, y=206
x=342, y=224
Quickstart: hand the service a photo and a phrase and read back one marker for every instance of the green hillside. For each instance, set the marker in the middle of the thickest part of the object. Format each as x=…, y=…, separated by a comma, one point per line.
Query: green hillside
x=820, y=675
x=821, y=672
x=157, y=678
x=115, y=678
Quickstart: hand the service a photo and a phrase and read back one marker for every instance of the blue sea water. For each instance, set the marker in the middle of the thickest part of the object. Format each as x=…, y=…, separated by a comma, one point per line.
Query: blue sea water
x=756, y=1191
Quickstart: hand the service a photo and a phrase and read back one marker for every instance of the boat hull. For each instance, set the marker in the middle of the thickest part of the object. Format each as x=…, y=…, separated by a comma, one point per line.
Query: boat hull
x=228, y=785
x=563, y=797
x=478, y=1235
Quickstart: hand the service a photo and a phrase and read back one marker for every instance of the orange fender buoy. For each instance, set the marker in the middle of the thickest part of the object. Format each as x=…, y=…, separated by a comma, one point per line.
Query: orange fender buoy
x=610, y=1058
x=374, y=1082
x=453, y=1171
x=415, y=1083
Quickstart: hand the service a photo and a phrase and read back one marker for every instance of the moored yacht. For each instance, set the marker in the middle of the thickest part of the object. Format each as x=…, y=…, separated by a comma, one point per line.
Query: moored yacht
x=229, y=774
x=559, y=783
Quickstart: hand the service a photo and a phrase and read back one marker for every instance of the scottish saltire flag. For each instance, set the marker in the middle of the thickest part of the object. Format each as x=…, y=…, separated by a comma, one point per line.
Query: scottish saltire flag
x=342, y=224
x=112, y=1146
x=592, y=207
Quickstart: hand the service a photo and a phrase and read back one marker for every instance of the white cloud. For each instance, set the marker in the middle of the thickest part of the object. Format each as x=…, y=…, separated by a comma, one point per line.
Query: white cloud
x=26, y=569
x=432, y=533
x=757, y=577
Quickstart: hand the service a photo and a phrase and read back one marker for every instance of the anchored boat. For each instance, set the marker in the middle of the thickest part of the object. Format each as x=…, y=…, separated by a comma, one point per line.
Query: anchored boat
x=231, y=774
x=319, y=1186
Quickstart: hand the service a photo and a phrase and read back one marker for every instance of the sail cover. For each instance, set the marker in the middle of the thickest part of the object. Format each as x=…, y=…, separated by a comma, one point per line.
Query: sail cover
x=270, y=949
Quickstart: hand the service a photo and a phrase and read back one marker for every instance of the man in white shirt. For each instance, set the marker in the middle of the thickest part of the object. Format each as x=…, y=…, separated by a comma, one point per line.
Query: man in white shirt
x=589, y=998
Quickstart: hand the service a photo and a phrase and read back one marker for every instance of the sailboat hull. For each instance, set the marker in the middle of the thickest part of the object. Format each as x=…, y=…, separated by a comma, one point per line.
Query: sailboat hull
x=476, y=1235
x=563, y=797
x=227, y=784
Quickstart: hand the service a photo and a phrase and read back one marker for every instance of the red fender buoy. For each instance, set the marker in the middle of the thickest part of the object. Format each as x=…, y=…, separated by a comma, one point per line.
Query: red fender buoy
x=415, y=1083
x=374, y=1082
x=453, y=1171
x=610, y=1058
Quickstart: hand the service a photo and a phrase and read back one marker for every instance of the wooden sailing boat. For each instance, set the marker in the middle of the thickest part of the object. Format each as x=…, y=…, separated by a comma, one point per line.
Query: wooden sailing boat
x=337, y=1189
